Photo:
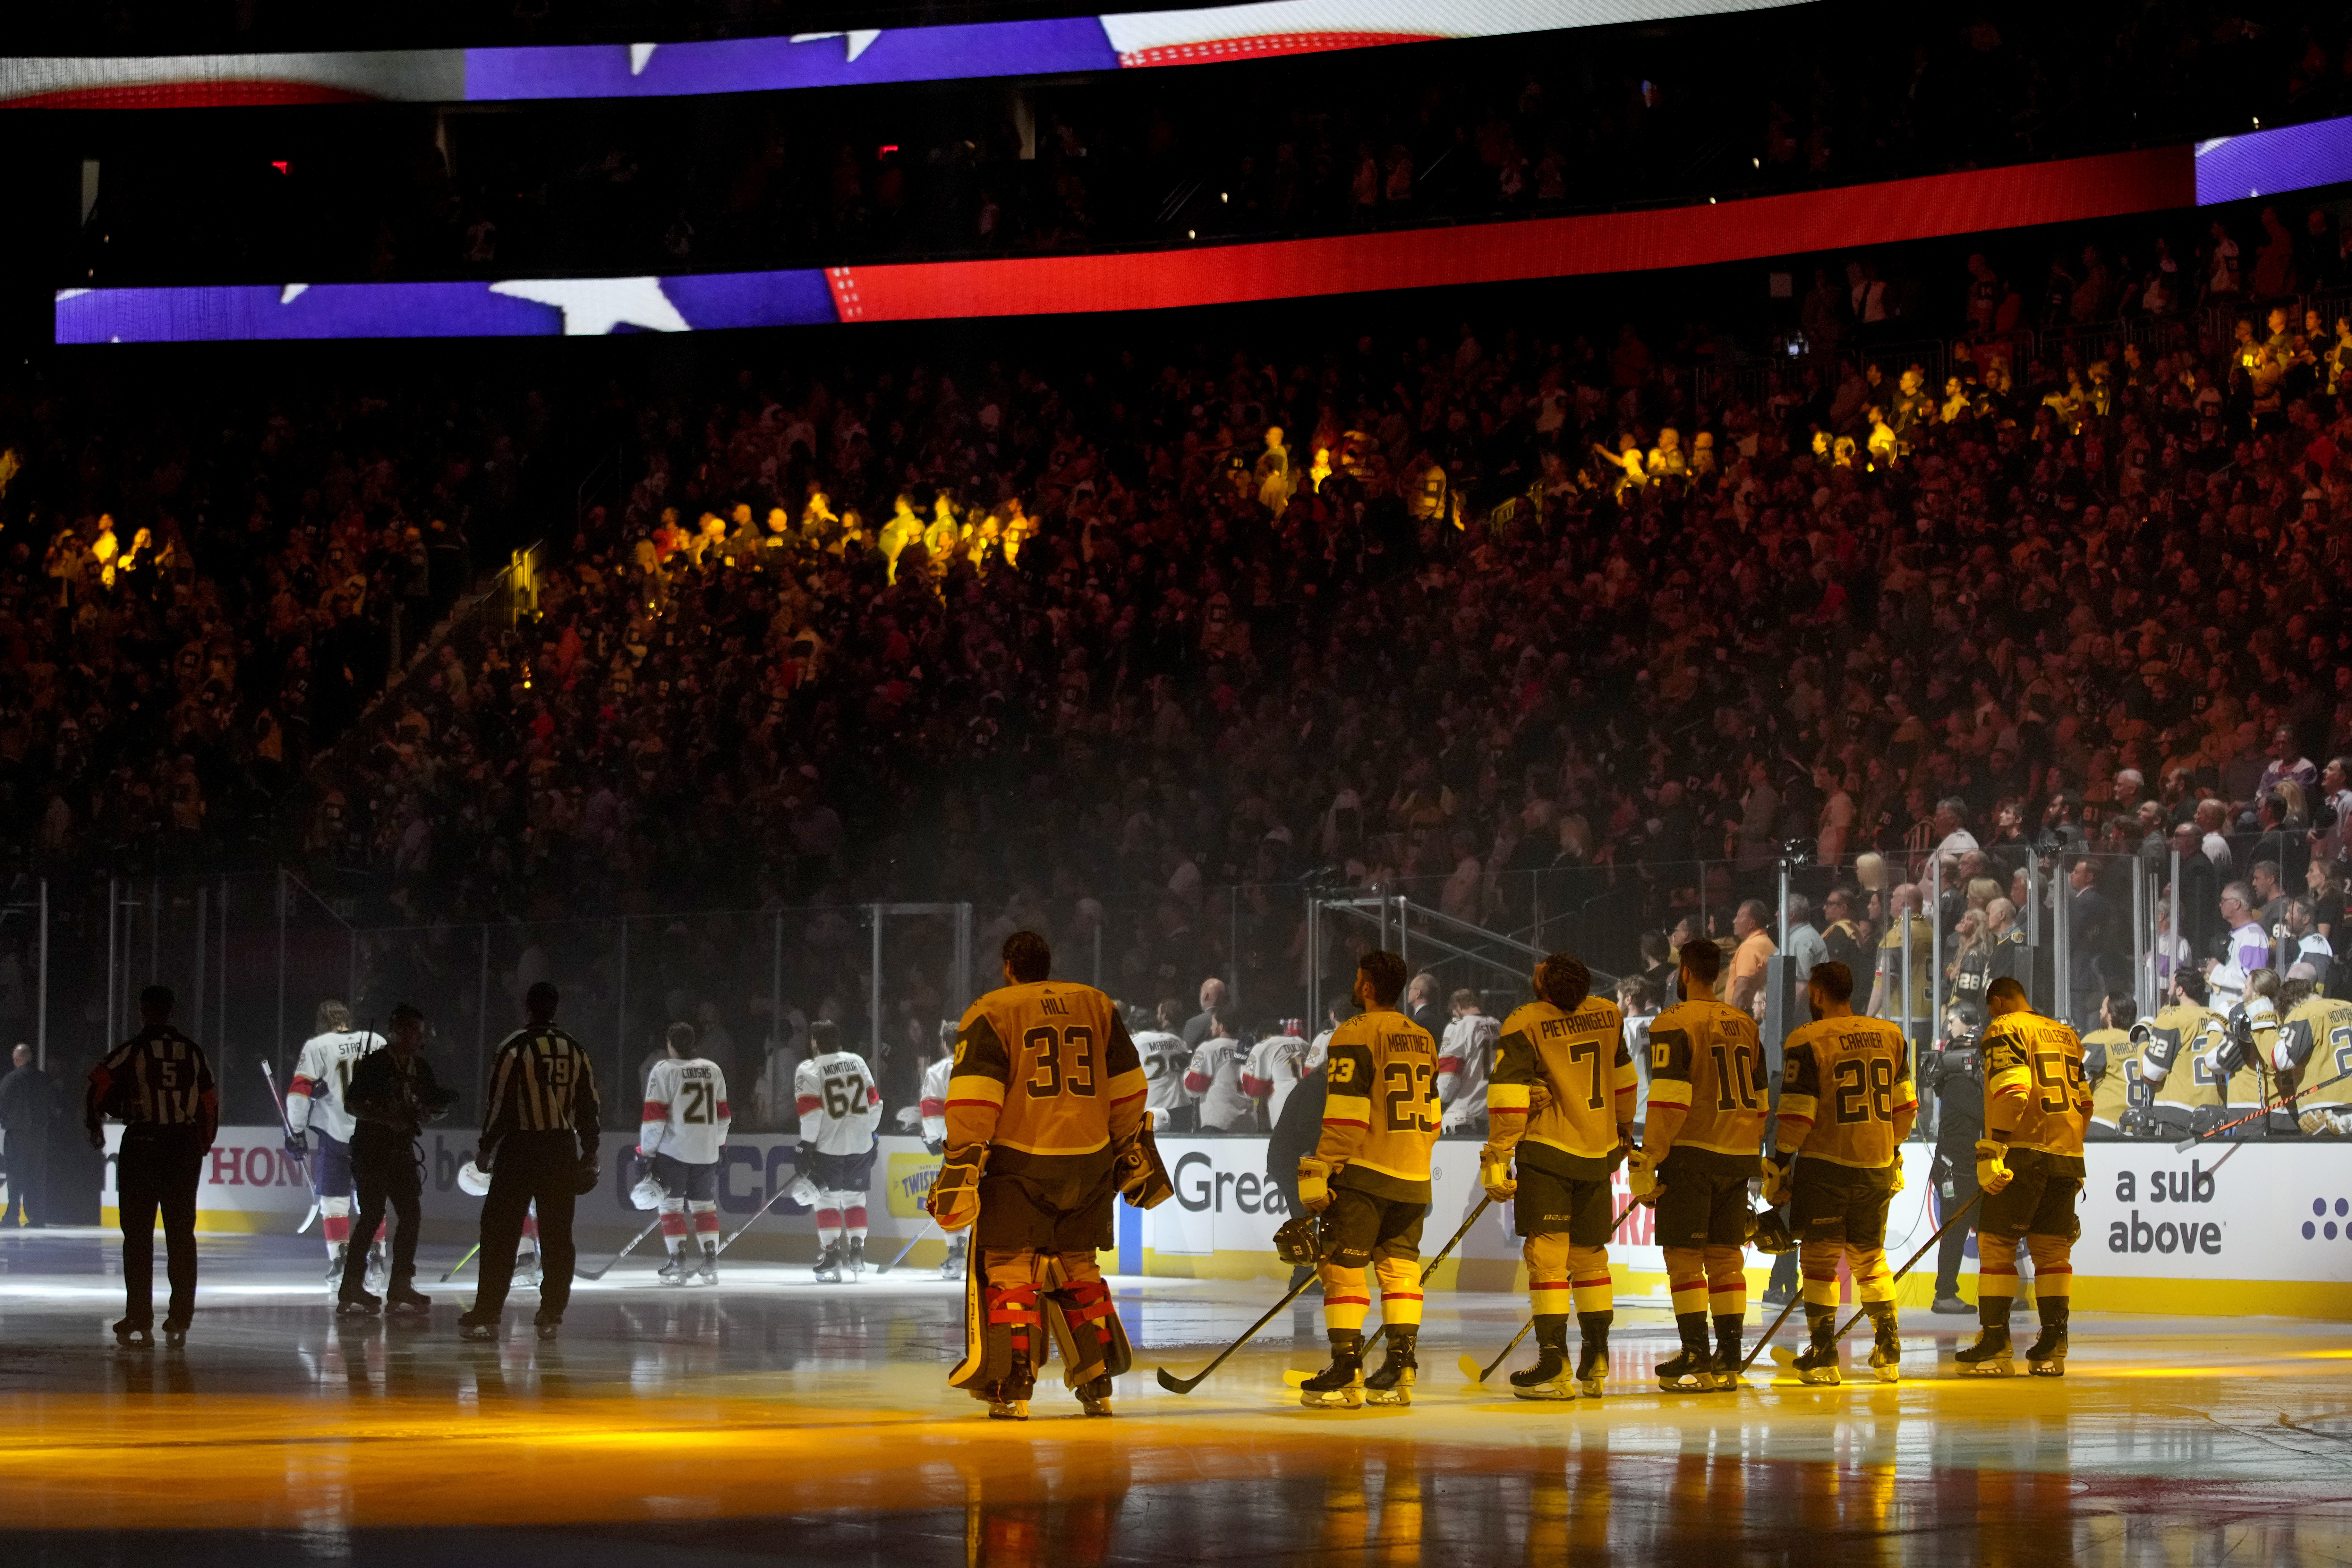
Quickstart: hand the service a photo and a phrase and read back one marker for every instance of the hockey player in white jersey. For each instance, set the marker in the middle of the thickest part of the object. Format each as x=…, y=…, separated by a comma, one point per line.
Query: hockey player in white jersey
x=840, y=1109
x=935, y=1135
x=681, y=1132
x=1164, y=1055
x=319, y=1119
x=1464, y=1062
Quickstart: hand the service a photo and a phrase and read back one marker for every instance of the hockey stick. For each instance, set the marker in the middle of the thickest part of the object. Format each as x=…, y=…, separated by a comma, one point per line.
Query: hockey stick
x=1175, y=1384
x=1295, y=1378
x=1478, y=1374
x=906, y=1249
x=452, y=1273
x=287, y=1126
x=746, y=1224
x=1957, y=1215
x=651, y=1227
x=2187, y=1143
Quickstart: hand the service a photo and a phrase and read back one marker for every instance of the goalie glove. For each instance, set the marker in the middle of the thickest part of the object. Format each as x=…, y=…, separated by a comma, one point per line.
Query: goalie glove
x=1142, y=1179
x=1993, y=1167
x=1640, y=1177
x=955, y=1198
x=1495, y=1174
x=1776, y=1178
x=1314, y=1183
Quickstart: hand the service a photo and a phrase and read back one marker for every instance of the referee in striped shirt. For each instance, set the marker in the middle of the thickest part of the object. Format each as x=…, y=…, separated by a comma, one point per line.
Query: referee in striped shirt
x=158, y=1084
x=538, y=1145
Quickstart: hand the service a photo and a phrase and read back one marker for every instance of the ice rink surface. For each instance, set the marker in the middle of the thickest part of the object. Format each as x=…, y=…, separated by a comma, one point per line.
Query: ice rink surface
x=774, y=1419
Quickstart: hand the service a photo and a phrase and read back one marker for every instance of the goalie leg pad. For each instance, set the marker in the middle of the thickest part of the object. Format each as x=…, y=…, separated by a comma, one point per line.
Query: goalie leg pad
x=1085, y=1321
x=1004, y=1325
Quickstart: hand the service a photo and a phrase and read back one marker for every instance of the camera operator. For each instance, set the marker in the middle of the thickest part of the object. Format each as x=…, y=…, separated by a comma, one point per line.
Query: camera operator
x=1956, y=1075
x=393, y=1094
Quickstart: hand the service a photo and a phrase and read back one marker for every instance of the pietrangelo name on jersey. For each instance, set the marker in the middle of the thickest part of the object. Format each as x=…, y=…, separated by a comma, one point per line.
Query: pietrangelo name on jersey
x=1574, y=1023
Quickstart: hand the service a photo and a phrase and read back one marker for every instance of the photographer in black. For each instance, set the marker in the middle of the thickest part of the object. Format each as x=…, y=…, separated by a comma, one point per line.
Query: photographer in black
x=393, y=1095
x=1956, y=1074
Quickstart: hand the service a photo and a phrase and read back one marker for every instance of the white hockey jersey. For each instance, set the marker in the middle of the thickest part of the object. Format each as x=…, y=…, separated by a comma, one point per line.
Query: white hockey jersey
x=686, y=1111
x=1216, y=1075
x=1464, y=1062
x=1163, y=1056
x=318, y=1094
x=935, y=1098
x=839, y=1103
x=1275, y=1065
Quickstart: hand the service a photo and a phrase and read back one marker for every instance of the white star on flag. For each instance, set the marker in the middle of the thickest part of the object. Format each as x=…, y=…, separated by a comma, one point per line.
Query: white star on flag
x=592, y=307
x=638, y=55
x=858, y=38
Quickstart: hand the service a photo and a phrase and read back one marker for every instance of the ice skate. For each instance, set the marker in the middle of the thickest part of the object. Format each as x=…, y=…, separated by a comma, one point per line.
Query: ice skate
x=2047, y=1355
x=132, y=1335
x=1392, y=1384
x=857, y=1258
x=1340, y=1385
x=476, y=1325
x=952, y=1267
x=1592, y=1363
x=1818, y=1362
x=1886, y=1345
x=379, y=1269
x=1093, y=1395
x=176, y=1333
x=1990, y=1356
x=548, y=1326
x=335, y=1261
x=674, y=1271
x=358, y=1304
x=828, y=1264
x=1547, y=1379
x=527, y=1273
x=407, y=1301
x=1008, y=1399
x=707, y=1272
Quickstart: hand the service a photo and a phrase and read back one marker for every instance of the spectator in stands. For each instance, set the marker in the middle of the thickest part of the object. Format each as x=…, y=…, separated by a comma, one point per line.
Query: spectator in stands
x=1199, y=1028
x=1806, y=946
x=1752, y=929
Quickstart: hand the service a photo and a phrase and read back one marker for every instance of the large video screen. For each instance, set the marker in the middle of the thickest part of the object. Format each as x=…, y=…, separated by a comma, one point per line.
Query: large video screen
x=1131, y=40
x=2058, y=192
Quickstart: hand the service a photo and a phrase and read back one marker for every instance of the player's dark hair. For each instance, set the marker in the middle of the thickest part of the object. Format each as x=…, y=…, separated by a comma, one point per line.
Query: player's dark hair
x=1383, y=973
x=1027, y=957
x=680, y=1038
x=2192, y=985
x=2294, y=994
x=2005, y=989
x=540, y=999
x=332, y=1014
x=2123, y=1008
x=1832, y=979
x=1702, y=960
x=823, y=1035
x=1563, y=982
x=158, y=999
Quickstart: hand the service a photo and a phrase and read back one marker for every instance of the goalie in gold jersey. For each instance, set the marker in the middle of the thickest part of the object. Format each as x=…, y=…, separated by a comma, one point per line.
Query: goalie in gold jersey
x=1044, y=1125
x=2030, y=1164
x=1846, y=1104
x=1559, y=1112
x=1367, y=1182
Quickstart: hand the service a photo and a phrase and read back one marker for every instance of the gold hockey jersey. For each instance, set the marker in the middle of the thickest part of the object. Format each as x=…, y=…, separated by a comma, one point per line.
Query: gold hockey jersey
x=1705, y=1058
x=1381, y=1109
x=2033, y=1078
x=1043, y=1071
x=2315, y=1044
x=1844, y=1082
x=1581, y=1058
x=2111, y=1060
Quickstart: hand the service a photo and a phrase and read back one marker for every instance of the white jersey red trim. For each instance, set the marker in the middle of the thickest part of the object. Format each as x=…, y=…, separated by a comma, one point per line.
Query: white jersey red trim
x=686, y=1112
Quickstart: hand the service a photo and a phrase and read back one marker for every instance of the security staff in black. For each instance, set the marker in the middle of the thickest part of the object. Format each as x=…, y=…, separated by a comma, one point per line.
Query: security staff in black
x=538, y=1145
x=1956, y=1074
x=159, y=1086
x=393, y=1095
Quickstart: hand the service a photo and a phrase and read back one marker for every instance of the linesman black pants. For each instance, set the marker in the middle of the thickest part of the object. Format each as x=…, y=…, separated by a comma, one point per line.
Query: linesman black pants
x=157, y=1171
x=533, y=1167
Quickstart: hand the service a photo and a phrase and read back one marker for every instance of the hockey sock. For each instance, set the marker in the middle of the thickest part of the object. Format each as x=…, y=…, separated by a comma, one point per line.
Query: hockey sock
x=1995, y=1277
x=856, y=1215
x=1872, y=1280
x=1818, y=1262
x=1727, y=1282
x=1588, y=1272
x=1549, y=1286
x=828, y=1225
x=1689, y=1296
x=673, y=1222
x=706, y=1226
x=2053, y=1267
x=1400, y=1294
x=1346, y=1299
x=335, y=1222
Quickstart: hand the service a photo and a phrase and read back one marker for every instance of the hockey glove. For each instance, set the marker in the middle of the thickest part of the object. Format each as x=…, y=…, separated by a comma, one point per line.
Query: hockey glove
x=1298, y=1241
x=1993, y=1167
x=589, y=1175
x=1640, y=1177
x=298, y=1145
x=935, y=1147
x=955, y=1198
x=1495, y=1174
x=1776, y=1178
x=1314, y=1183
x=1142, y=1179
x=804, y=1157
x=1898, y=1177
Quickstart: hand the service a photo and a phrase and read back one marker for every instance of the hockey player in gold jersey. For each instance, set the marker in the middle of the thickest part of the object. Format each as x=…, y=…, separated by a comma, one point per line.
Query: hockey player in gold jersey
x=1708, y=1103
x=2122, y=1099
x=1044, y=1126
x=2312, y=1047
x=2030, y=1164
x=2182, y=1038
x=1559, y=1110
x=1846, y=1105
x=1368, y=1183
